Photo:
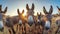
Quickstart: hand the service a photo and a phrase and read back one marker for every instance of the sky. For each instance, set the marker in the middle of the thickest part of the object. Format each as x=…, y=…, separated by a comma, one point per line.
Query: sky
x=13, y=5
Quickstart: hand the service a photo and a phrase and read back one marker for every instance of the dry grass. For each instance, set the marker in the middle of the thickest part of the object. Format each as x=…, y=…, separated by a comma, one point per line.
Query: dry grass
x=6, y=30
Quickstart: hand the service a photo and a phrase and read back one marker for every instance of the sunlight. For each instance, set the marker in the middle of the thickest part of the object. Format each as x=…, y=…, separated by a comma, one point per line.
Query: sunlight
x=35, y=14
x=24, y=14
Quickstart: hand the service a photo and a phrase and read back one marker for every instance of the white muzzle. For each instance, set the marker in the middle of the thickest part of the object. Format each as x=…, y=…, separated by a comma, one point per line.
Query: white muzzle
x=47, y=24
x=38, y=20
x=1, y=24
x=30, y=19
x=20, y=21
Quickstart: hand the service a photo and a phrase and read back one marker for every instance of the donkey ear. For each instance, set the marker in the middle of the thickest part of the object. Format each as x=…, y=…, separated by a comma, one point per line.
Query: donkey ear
x=18, y=11
x=27, y=7
x=32, y=6
x=22, y=11
x=5, y=10
x=51, y=10
x=58, y=8
x=0, y=7
x=44, y=10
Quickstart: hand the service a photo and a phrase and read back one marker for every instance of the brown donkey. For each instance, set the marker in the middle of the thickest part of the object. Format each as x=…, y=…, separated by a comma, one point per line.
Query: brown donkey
x=21, y=24
x=58, y=21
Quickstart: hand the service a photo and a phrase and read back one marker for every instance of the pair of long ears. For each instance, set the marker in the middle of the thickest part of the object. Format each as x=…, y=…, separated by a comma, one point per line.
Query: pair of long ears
x=50, y=11
x=27, y=7
x=5, y=10
x=19, y=11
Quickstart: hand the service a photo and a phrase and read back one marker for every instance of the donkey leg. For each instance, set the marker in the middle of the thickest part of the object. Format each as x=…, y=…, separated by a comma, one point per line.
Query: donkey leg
x=13, y=30
x=9, y=31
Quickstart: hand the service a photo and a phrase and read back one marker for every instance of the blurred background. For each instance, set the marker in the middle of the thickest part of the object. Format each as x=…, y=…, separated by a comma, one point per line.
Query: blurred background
x=13, y=5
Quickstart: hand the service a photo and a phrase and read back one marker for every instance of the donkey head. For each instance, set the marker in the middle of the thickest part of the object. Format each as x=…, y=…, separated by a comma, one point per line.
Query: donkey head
x=48, y=16
x=30, y=13
x=2, y=14
x=39, y=17
x=20, y=15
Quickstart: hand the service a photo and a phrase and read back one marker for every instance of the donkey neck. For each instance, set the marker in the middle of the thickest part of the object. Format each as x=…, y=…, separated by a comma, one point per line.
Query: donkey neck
x=1, y=16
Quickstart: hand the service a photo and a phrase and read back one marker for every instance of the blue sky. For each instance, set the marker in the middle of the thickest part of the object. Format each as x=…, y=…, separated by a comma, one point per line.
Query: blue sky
x=13, y=5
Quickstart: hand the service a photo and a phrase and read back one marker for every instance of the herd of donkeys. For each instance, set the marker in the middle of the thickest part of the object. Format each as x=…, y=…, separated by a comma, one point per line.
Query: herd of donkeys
x=30, y=24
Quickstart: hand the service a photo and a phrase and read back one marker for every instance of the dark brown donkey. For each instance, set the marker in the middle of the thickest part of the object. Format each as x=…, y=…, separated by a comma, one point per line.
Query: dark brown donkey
x=46, y=19
x=39, y=18
x=38, y=24
x=2, y=17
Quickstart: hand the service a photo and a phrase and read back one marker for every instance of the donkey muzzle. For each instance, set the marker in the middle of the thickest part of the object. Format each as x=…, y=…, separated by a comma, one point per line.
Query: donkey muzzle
x=20, y=22
x=1, y=26
x=30, y=20
x=47, y=25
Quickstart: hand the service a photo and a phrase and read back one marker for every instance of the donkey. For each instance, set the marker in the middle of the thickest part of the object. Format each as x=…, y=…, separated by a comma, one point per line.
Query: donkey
x=58, y=21
x=21, y=23
x=30, y=17
x=46, y=19
x=38, y=24
x=39, y=18
x=2, y=17
x=10, y=22
x=36, y=27
x=30, y=14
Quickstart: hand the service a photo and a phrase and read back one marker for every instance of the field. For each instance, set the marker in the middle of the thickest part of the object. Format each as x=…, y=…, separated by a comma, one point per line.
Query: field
x=6, y=30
